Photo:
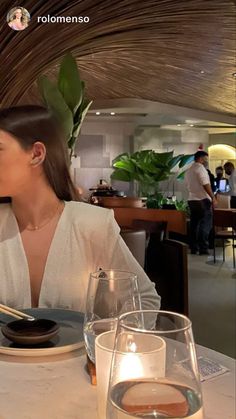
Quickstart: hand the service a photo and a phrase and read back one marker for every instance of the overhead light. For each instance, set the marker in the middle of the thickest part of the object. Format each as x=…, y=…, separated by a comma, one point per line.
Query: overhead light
x=191, y=121
x=234, y=74
x=98, y=113
x=191, y=125
x=202, y=72
x=178, y=125
x=112, y=113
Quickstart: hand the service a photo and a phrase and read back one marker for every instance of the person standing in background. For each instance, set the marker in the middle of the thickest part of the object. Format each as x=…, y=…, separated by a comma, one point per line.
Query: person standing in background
x=231, y=172
x=212, y=179
x=219, y=176
x=201, y=199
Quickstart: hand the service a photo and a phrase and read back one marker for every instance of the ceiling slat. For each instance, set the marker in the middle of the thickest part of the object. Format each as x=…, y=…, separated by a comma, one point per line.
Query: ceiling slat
x=172, y=51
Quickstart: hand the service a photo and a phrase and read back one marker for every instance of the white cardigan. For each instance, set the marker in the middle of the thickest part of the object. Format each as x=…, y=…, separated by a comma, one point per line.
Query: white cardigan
x=86, y=238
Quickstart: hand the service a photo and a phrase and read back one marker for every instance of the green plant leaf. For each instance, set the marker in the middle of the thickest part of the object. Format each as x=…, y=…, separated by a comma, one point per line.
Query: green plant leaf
x=181, y=175
x=163, y=158
x=125, y=165
x=145, y=160
x=76, y=128
x=122, y=175
x=175, y=160
x=181, y=205
x=69, y=83
x=148, y=166
x=188, y=158
x=56, y=104
x=139, y=155
x=85, y=107
x=71, y=142
x=120, y=157
x=80, y=115
x=159, y=173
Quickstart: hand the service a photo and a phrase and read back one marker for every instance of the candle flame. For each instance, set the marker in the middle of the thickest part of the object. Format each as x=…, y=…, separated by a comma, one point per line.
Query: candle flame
x=130, y=367
x=133, y=347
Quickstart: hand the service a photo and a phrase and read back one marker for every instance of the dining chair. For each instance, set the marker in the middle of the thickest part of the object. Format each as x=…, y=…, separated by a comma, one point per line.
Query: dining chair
x=168, y=269
x=224, y=229
x=157, y=228
x=155, y=233
x=223, y=201
x=135, y=239
x=234, y=229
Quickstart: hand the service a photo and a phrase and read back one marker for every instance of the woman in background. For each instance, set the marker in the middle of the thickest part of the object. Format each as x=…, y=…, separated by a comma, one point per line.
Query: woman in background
x=49, y=243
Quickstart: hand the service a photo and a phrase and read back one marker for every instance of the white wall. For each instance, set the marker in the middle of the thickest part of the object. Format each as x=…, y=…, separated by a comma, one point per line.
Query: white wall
x=109, y=139
x=229, y=139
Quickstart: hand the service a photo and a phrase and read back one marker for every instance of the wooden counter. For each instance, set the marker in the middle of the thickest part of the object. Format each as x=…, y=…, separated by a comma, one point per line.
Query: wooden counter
x=176, y=219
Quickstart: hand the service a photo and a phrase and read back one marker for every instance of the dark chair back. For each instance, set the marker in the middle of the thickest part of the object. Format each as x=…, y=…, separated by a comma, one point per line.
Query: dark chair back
x=169, y=271
x=234, y=220
x=223, y=218
x=155, y=228
x=135, y=239
x=155, y=233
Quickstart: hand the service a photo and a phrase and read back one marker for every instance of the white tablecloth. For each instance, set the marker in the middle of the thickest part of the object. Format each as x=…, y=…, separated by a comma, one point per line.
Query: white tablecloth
x=59, y=388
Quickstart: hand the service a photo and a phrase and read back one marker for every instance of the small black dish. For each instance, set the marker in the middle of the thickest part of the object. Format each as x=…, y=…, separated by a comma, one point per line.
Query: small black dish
x=30, y=332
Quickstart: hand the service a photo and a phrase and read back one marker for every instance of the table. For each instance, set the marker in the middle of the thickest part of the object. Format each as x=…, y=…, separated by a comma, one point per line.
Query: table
x=59, y=388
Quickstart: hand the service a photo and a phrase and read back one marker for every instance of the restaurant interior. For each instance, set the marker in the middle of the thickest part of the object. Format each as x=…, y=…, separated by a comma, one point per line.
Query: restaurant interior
x=161, y=76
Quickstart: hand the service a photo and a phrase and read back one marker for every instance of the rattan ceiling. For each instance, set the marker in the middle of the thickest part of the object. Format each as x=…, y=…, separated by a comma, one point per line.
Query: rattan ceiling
x=150, y=49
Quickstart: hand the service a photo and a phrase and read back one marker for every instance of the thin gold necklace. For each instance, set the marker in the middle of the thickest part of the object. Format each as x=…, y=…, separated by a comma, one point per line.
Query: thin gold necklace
x=39, y=227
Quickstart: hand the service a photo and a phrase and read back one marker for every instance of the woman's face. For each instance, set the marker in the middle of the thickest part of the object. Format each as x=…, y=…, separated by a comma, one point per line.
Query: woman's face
x=15, y=166
x=18, y=13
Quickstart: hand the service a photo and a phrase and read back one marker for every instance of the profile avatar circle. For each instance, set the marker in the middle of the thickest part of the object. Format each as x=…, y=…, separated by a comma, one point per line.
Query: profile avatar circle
x=18, y=18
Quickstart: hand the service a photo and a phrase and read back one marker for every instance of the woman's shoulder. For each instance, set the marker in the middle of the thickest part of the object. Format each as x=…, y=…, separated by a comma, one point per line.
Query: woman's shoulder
x=83, y=212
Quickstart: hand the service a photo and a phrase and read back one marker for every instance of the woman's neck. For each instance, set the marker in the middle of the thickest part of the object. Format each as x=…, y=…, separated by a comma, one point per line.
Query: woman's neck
x=34, y=206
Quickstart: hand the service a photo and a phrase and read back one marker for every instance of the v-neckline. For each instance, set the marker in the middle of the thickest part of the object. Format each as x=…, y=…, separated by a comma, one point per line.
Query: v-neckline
x=49, y=256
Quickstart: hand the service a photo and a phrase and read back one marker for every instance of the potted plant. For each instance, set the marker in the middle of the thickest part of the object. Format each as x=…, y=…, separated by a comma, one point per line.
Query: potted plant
x=66, y=99
x=158, y=201
x=148, y=168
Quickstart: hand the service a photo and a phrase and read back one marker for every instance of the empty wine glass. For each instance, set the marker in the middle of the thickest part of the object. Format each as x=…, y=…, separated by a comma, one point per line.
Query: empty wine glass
x=110, y=293
x=154, y=371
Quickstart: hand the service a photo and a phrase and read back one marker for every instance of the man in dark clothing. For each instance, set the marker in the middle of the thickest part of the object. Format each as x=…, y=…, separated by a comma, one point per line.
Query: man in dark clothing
x=212, y=180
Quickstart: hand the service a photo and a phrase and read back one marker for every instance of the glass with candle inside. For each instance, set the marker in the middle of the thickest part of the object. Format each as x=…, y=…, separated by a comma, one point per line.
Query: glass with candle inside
x=110, y=293
x=146, y=382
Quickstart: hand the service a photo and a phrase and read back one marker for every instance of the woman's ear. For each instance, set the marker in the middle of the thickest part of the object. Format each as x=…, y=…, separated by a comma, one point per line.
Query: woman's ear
x=38, y=153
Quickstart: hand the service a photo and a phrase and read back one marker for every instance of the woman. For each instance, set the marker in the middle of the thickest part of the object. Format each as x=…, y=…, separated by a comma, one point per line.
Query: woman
x=48, y=242
x=18, y=23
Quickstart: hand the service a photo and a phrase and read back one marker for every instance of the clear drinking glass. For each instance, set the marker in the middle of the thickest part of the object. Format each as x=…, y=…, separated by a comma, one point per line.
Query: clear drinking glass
x=154, y=371
x=110, y=293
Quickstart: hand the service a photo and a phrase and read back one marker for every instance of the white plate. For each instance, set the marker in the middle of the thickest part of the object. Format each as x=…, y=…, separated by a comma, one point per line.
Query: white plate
x=69, y=338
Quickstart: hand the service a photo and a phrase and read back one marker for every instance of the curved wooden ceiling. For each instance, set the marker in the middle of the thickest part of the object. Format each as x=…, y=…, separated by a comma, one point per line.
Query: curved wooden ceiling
x=180, y=52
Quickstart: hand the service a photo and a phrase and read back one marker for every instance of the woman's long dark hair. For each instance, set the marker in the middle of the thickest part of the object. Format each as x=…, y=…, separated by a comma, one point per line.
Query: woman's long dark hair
x=29, y=124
